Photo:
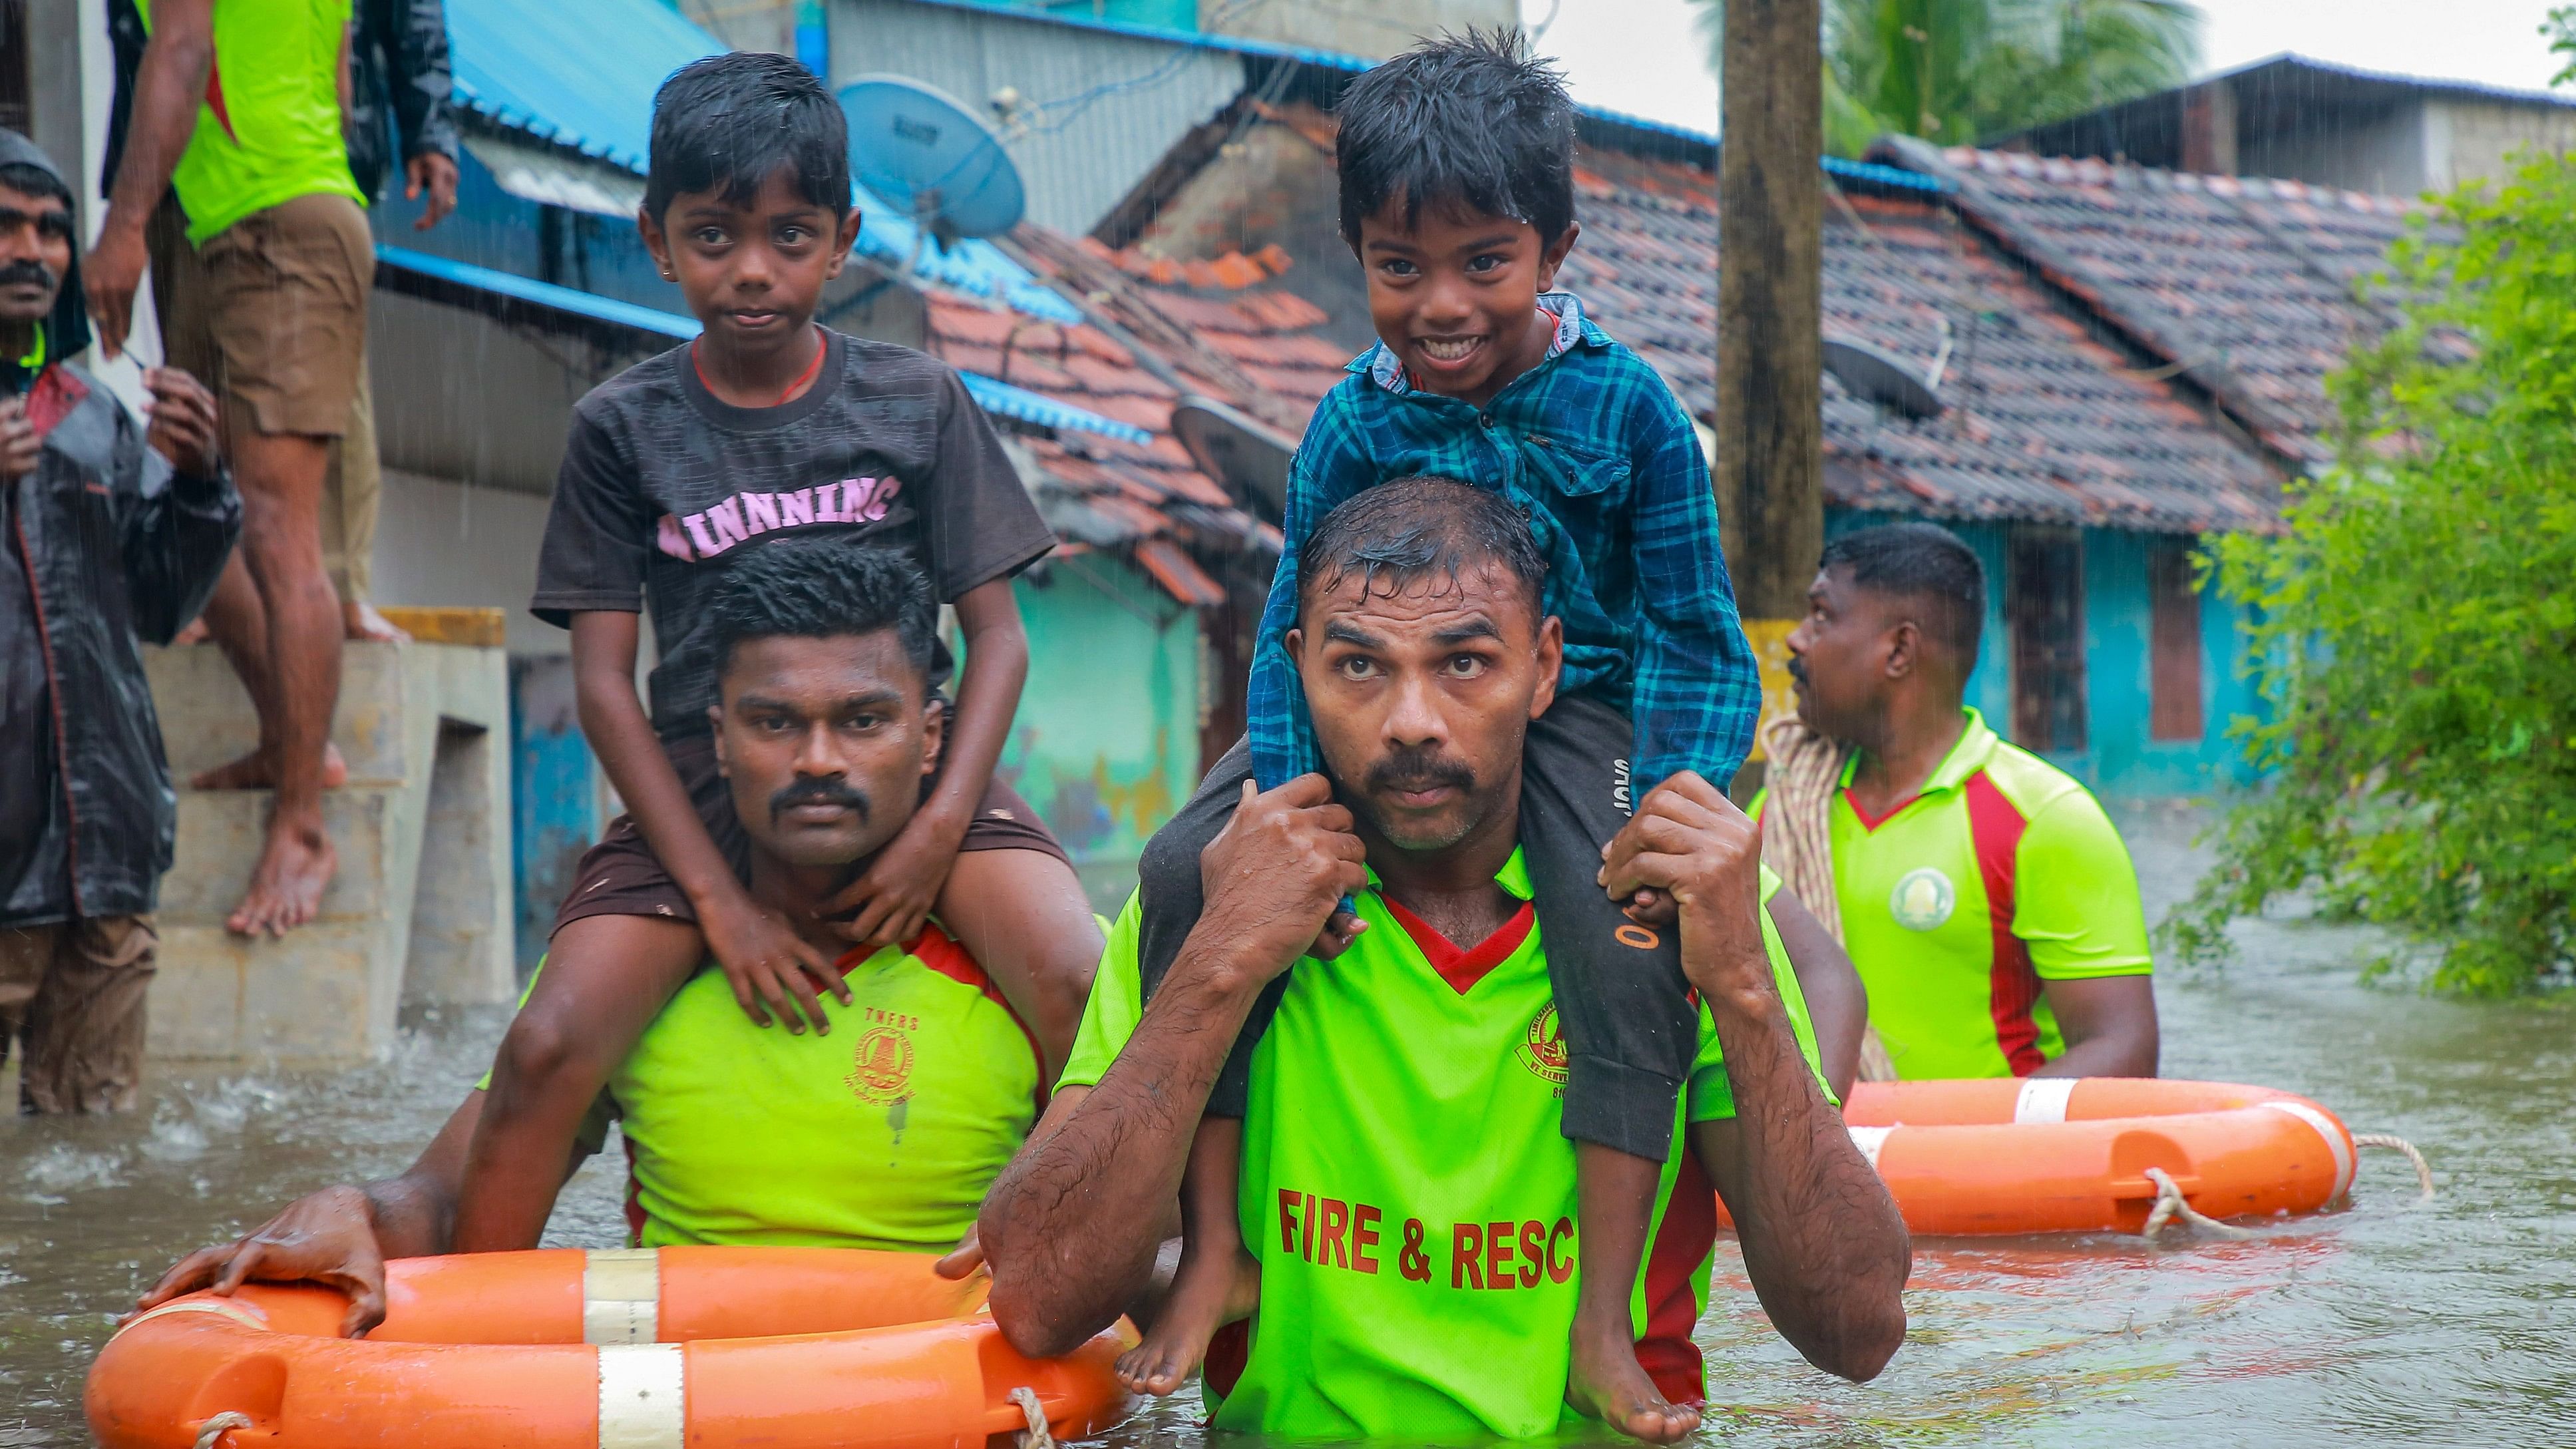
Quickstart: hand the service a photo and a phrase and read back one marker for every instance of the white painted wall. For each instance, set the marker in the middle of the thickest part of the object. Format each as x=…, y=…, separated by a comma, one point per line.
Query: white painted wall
x=440, y=542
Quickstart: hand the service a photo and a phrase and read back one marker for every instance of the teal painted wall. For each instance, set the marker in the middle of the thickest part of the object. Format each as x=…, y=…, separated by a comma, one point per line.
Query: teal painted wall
x=2120, y=759
x=1168, y=14
x=1106, y=743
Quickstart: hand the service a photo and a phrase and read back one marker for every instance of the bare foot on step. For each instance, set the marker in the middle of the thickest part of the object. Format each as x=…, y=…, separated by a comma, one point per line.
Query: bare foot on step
x=360, y=621
x=251, y=772
x=286, y=889
x=1606, y=1381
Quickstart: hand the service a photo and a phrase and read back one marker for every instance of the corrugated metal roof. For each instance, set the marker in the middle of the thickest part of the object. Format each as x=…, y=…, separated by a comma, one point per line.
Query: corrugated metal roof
x=582, y=74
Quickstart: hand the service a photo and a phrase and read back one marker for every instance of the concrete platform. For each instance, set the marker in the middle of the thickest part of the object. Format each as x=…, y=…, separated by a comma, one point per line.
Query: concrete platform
x=420, y=912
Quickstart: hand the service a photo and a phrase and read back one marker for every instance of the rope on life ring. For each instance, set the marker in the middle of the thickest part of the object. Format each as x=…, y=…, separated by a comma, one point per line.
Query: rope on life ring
x=2395, y=1143
x=214, y=1429
x=2170, y=1205
x=1037, y=1435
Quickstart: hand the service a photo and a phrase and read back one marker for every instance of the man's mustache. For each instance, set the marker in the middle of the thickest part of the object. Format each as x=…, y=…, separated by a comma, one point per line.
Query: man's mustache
x=1798, y=667
x=25, y=273
x=1419, y=770
x=820, y=790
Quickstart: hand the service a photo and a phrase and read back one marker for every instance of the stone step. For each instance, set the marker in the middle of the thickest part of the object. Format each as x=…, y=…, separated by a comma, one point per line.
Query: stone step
x=207, y=719
x=316, y=998
x=220, y=834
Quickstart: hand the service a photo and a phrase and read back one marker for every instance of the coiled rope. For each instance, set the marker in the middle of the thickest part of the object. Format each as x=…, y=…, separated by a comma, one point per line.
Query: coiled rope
x=1805, y=770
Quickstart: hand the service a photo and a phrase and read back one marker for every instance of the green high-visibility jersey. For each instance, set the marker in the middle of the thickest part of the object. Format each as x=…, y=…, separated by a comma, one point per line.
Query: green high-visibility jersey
x=268, y=129
x=1410, y=1194
x=2002, y=875
x=884, y=1134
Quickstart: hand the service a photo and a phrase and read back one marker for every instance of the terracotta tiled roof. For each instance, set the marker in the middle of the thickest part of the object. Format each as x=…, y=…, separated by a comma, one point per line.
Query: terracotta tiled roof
x=2044, y=421
x=2252, y=282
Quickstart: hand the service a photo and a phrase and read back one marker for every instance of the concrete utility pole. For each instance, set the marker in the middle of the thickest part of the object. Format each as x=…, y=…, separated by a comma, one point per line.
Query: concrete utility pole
x=1770, y=446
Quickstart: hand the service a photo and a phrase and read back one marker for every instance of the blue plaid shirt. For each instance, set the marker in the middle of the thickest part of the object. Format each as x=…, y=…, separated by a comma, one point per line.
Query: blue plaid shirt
x=1591, y=443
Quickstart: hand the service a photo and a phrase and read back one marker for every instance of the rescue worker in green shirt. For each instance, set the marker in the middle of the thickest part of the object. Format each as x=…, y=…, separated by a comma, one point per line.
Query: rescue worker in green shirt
x=882, y=1130
x=1983, y=894
x=1407, y=1201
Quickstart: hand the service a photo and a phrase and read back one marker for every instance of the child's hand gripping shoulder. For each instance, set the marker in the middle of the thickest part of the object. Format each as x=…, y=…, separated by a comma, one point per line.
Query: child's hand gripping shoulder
x=767, y=963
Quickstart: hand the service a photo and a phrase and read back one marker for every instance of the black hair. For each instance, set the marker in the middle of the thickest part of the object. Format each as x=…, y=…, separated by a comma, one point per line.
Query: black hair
x=822, y=588
x=1473, y=122
x=1421, y=527
x=735, y=120
x=32, y=180
x=1924, y=563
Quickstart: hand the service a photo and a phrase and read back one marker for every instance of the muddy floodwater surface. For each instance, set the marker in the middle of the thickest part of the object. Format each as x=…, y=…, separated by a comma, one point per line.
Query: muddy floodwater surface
x=2452, y=1323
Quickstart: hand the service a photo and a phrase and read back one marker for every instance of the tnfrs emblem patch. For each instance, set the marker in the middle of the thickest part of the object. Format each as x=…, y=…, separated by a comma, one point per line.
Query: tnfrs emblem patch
x=1923, y=900
x=1542, y=1050
x=881, y=1067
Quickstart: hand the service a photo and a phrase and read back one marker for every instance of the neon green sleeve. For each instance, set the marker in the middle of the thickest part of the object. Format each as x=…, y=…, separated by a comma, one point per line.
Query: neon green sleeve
x=1117, y=1003
x=2076, y=899
x=1712, y=1096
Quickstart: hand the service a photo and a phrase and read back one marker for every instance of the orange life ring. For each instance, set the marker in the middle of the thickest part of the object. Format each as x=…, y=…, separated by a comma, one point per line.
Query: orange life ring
x=2071, y=1154
x=708, y=1348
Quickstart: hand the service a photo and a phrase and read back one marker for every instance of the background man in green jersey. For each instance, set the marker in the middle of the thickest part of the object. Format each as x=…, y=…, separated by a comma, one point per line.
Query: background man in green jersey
x=826, y=737
x=1424, y=656
x=1983, y=894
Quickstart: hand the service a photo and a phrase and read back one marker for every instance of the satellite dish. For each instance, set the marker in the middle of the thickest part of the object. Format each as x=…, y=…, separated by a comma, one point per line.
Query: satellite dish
x=1881, y=377
x=1249, y=457
x=924, y=153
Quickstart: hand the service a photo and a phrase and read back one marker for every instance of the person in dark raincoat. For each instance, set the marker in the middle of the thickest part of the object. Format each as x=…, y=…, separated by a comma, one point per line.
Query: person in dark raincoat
x=109, y=530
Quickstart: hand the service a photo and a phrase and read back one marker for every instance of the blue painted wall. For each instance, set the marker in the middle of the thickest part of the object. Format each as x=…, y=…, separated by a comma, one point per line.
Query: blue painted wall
x=2120, y=758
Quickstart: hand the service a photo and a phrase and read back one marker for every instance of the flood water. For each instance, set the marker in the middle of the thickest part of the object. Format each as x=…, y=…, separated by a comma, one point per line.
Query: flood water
x=2452, y=1323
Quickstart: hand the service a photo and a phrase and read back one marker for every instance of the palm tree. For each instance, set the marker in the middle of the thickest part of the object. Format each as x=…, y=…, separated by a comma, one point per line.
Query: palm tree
x=1957, y=71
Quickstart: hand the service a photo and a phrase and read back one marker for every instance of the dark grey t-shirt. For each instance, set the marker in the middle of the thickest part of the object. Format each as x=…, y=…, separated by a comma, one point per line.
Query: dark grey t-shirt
x=663, y=487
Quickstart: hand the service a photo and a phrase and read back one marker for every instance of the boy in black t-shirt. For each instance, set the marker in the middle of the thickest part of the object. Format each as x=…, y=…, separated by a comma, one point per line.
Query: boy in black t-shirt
x=768, y=424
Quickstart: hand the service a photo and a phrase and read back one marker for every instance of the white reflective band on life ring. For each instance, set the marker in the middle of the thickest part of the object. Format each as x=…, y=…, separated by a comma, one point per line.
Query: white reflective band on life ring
x=642, y=1397
x=621, y=1295
x=2335, y=1142
x=245, y=1314
x=2043, y=1099
x=1869, y=1140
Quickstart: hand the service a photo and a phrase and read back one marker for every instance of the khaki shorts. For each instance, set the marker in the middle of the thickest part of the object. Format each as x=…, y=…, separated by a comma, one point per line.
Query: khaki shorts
x=72, y=994
x=271, y=312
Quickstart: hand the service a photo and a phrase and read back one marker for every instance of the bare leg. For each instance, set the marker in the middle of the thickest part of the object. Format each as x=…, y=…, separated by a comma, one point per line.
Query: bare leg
x=238, y=623
x=1022, y=915
x=1616, y=1192
x=296, y=683
x=1217, y=1281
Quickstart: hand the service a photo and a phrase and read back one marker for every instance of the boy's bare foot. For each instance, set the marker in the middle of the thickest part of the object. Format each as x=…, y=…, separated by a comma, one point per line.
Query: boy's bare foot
x=286, y=889
x=360, y=621
x=1209, y=1291
x=251, y=772
x=1606, y=1381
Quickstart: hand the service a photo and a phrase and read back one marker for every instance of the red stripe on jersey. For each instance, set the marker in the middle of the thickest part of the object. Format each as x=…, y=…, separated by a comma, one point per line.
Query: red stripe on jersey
x=1229, y=1353
x=1862, y=816
x=1463, y=969
x=1682, y=1242
x=940, y=952
x=2012, y=986
x=634, y=1198
x=215, y=100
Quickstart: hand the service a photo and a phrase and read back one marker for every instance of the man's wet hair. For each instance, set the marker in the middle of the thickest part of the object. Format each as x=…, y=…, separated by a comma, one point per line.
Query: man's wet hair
x=1924, y=564
x=1472, y=123
x=822, y=588
x=28, y=180
x=735, y=120
x=1420, y=528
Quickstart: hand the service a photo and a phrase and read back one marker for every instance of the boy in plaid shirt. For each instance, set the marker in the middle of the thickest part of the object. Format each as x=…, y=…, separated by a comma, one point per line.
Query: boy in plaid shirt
x=1457, y=195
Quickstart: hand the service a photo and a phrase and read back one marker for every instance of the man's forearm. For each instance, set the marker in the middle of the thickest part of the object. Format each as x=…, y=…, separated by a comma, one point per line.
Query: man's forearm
x=166, y=90
x=414, y=1213
x=1823, y=1243
x=1071, y=1227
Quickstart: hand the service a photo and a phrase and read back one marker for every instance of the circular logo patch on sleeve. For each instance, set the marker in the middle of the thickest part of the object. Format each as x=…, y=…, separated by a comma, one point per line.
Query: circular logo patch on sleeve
x=1923, y=900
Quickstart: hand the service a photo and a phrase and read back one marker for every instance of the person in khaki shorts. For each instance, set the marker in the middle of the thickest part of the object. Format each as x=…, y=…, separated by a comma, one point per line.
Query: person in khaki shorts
x=237, y=109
